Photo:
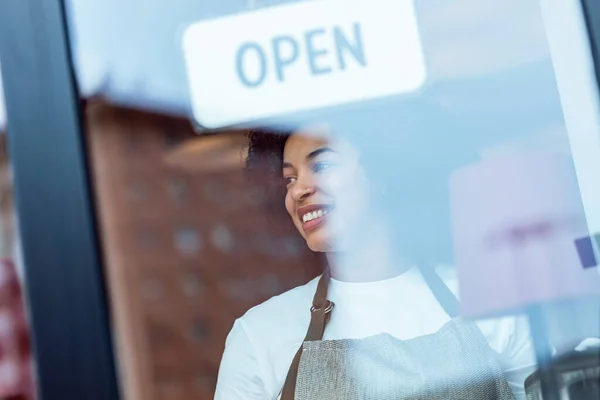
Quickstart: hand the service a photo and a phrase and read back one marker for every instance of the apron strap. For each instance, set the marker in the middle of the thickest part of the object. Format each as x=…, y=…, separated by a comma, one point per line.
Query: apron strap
x=321, y=310
x=319, y=315
x=442, y=293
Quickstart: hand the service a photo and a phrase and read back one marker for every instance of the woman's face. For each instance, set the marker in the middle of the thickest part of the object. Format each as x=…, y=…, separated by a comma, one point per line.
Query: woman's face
x=326, y=190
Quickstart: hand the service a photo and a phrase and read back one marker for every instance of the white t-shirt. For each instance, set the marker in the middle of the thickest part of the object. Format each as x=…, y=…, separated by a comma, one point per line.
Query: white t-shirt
x=262, y=343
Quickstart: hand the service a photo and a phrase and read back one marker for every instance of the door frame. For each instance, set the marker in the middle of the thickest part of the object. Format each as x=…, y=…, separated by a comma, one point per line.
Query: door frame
x=64, y=281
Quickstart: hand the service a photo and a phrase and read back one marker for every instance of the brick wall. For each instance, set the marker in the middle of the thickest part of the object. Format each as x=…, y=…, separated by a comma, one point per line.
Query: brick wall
x=185, y=253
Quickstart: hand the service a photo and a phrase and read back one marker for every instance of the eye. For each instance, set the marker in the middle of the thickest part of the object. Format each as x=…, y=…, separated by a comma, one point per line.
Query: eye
x=323, y=165
x=288, y=180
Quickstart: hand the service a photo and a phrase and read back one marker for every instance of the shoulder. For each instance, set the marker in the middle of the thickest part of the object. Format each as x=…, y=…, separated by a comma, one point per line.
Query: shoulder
x=280, y=322
x=262, y=344
x=288, y=307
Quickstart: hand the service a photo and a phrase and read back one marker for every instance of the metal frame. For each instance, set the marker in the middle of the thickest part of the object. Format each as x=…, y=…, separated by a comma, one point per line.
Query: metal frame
x=591, y=9
x=67, y=298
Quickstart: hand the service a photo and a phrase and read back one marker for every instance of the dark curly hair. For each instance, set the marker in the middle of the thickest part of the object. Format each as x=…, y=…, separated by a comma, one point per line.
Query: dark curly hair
x=264, y=164
x=265, y=151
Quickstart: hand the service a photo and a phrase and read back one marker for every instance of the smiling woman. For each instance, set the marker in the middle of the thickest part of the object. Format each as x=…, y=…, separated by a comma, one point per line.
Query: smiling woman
x=385, y=310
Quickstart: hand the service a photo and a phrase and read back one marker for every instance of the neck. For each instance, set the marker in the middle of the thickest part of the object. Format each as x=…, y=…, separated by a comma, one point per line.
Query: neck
x=374, y=259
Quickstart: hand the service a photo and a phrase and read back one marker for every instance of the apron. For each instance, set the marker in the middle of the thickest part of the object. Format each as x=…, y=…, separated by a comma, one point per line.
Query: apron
x=455, y=363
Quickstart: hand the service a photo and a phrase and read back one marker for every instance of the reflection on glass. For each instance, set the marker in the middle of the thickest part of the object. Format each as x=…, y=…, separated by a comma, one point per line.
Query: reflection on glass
x=366, y=194
x=341, y=209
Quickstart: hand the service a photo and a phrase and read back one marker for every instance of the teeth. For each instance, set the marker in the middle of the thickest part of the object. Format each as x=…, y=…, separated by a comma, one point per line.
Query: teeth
x=314, y=214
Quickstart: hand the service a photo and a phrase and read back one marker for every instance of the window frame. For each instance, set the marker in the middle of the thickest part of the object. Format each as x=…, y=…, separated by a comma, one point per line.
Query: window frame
x=65, y=286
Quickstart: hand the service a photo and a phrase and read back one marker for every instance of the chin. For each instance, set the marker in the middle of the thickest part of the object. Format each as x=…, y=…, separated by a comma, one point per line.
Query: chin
x=319, y=243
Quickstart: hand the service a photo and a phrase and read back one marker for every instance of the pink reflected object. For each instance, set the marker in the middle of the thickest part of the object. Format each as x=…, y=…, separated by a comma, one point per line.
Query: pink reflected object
x=515, y=220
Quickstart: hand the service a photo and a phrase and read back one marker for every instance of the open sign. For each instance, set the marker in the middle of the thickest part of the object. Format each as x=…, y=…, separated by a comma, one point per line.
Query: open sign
x=324, y=50
x=300, y=57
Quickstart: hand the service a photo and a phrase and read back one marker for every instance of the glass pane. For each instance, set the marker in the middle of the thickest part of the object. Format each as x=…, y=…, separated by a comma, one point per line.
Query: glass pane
x=16, y=362
x=421, y=159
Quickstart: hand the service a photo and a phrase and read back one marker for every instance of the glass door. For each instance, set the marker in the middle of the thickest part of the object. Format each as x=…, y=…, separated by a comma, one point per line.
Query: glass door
x=431, y=164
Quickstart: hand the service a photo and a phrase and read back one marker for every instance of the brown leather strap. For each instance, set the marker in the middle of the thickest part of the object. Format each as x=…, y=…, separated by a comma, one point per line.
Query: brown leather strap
x=319, y=315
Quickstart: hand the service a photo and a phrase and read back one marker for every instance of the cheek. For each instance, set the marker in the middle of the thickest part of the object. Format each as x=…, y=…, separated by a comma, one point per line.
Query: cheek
x=349, y=190
x=335, y=183
x=290, y=207
x=353, y=208
x=289, y=204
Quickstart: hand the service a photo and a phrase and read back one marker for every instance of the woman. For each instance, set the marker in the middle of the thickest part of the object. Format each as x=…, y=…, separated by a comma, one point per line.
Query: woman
x=379, y=327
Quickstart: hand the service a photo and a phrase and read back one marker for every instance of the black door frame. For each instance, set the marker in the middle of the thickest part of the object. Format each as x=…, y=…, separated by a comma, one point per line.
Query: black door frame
x=591, y=11
x=61, y=245
x=55, y=204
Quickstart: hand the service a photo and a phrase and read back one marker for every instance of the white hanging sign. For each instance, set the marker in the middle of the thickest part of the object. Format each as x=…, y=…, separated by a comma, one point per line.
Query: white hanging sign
x=300, y=57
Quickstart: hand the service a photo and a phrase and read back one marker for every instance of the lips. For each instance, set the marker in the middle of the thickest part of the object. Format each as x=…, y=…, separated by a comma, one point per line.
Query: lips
x=313, y=216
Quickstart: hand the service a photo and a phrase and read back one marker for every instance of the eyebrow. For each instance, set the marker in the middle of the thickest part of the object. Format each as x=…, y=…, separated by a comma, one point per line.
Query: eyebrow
x=312, y=154
x=317, y=152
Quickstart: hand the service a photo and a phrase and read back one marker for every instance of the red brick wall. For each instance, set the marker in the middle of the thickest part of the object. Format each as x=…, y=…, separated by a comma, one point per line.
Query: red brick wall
x=186, y=253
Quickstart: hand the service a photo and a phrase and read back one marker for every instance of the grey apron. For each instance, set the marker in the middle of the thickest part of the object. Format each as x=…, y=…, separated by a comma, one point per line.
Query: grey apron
x=455, y=363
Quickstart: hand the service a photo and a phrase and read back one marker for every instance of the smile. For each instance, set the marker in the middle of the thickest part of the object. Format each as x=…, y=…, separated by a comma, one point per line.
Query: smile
x=313, y=216
x=309, y=216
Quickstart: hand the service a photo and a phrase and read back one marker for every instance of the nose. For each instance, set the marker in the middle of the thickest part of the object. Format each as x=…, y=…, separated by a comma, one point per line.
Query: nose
x=305, y=187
